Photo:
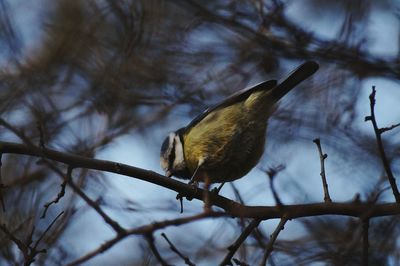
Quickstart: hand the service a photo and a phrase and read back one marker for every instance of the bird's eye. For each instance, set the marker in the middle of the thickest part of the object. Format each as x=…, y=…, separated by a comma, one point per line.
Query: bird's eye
x=171, y=155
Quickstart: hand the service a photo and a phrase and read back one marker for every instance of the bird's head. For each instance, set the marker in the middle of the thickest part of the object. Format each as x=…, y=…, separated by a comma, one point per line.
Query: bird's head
x=172, y=156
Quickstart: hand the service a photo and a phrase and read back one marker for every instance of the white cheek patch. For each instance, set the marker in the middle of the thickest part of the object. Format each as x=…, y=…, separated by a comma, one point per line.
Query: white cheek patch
x=179, y=162
x=170, y=146
x=171, y=141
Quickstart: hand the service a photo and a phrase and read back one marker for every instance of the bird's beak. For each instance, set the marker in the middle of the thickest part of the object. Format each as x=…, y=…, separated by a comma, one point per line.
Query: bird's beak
x=168, y=173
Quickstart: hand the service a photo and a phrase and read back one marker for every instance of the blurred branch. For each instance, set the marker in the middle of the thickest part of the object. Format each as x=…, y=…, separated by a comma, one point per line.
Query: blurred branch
x=150, y=240
x=28, y=251
x=272, y=172
x=231, y=207
x=271, y=242
x=365, y=228
x=174, y=249
x=145, y=230
x=60, y=194
x=322, y=158
x=350, y=57
x=107, y=219
x=381, y=149
x=2, y=186
x=243, y=236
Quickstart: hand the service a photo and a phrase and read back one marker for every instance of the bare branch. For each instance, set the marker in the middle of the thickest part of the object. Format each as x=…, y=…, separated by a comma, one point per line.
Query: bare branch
x=21, y=246
x=14, y=130
x=41, y=135
x=243, y=236
x=60, y=194
x=144, y=230
x=274, y=236
x=2, y=186
x=322, y=157
x=381, y=149
x=231, y=207
x=150, y=241
x=46, y=230
x=174, y=249
x=29, y=252
x=115, y=225
x=272, y=172
x=365, y=228
x=385, y=129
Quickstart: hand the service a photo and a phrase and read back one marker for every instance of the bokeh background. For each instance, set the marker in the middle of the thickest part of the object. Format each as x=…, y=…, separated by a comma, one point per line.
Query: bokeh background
x=110, y=79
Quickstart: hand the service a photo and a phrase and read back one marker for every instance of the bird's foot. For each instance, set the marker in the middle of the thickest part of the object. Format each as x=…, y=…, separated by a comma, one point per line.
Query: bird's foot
x=216, y=190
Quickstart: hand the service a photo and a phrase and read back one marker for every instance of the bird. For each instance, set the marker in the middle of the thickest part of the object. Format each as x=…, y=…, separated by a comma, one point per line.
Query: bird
x=227, y=140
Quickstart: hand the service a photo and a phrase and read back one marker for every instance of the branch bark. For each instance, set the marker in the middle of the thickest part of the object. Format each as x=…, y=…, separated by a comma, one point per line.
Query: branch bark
x=354, y=209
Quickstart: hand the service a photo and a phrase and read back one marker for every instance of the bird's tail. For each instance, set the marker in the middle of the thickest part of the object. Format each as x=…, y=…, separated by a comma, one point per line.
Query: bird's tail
x=298, y=75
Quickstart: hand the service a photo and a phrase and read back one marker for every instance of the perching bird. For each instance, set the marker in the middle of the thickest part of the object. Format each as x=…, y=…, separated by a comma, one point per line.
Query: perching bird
x=226, y=141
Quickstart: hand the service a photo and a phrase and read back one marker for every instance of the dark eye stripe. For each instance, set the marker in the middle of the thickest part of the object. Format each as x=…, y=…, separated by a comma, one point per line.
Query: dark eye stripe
x=171, y=156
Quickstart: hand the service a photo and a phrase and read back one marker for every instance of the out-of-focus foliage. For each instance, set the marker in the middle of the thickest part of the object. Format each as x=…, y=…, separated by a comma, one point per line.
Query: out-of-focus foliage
x=97, y=70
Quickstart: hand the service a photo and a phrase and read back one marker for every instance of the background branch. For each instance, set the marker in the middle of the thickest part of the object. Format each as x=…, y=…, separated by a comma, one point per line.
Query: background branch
x=381, y=149
x=270, y=246
x=322, y=158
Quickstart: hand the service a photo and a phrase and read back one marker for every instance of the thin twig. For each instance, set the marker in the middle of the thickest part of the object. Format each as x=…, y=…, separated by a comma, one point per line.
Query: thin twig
x=322, y=158
x=115, y=225
x=60, y=194
x=272, y=172
x=240, y=263
x=241, y=220
x=384, y=129
x=274, y=236
x=153, y=248
x=47, y=229
x=243, y=236
x=2, y=186
x=41, y=135
x=382, y=153
x=174, y=249
x=144, y=230
x=21, y=246
x=29, y=252
x=365, y=228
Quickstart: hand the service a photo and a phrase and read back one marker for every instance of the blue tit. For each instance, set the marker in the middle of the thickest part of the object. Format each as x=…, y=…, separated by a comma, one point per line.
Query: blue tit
x=227, y=140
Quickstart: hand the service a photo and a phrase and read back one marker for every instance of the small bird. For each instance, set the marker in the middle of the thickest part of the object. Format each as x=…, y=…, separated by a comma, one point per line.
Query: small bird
x=227, y=140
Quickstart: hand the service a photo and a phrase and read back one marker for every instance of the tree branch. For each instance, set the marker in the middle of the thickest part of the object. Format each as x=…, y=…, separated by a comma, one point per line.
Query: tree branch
x=271, y=242
x=145, y=230
x=234, y=247
x=381, y=149
x=2, y=186
x=365, y=229
x=354, y=209
x=322, y=158
x=153, y=248
x=28, y=251
x=174, y=249
x=60, y=194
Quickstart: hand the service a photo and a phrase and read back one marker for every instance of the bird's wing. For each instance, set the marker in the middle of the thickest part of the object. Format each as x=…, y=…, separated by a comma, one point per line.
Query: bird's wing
x=277, y=91
x=234, y=98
